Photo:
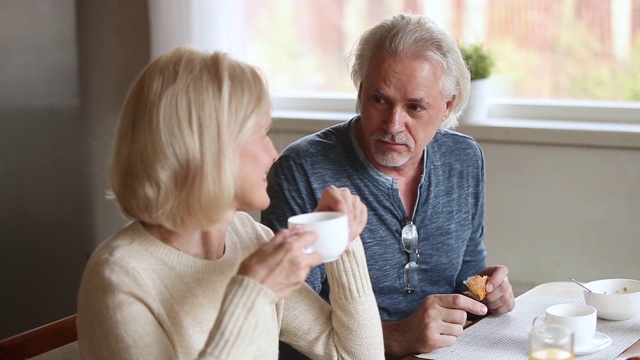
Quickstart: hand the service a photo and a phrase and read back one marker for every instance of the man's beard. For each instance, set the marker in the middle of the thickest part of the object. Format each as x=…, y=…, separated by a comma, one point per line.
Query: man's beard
x=391, y=158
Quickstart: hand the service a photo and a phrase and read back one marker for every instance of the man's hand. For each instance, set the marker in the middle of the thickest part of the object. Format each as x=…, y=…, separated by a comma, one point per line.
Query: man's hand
x=436, y=323
x=500, y=297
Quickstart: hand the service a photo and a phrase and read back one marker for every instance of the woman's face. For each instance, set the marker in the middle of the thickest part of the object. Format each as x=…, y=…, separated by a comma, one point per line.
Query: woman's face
x=257, y=154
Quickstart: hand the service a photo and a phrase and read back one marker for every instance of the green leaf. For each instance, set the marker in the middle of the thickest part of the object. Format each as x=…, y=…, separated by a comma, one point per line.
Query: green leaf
x=479, y=60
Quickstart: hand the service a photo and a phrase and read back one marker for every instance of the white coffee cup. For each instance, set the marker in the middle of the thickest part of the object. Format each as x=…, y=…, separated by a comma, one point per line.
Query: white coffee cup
x=332, y=229
x=580, y=318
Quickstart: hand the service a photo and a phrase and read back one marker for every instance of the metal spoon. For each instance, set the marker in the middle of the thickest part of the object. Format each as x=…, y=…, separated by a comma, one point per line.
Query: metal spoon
x=579, y=283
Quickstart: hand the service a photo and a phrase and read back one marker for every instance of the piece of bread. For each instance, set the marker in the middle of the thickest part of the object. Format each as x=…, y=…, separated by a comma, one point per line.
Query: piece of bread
x=477, y=287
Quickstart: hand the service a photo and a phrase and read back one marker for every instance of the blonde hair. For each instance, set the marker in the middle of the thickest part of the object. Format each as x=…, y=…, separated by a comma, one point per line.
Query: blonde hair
x=415, y=36
x=179, y=134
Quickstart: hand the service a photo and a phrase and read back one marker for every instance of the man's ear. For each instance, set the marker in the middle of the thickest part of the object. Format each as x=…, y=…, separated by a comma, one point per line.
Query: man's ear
x=448, y=108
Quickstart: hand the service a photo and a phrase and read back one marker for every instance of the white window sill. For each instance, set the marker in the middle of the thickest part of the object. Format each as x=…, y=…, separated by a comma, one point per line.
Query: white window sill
x=552, y=132
x=526, y=131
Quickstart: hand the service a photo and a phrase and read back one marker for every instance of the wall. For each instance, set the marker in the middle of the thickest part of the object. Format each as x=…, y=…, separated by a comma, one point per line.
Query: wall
x=62, y=78
x=560, y=211
x=43, y=190
x=113, y=38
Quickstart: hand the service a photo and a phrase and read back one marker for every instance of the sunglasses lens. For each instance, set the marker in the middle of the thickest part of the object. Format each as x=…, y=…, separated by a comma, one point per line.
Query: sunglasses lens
x=411, y=277
x=410, y=237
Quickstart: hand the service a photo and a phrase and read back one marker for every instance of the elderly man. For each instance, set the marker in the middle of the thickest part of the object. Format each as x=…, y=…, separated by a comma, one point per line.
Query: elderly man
x=423, y=184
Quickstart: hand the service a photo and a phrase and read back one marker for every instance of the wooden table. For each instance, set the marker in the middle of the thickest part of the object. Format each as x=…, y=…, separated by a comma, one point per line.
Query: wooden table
x=567, y=289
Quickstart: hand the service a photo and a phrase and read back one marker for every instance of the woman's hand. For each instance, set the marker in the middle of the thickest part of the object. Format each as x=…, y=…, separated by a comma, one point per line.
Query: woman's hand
x=281, y=264
x=342, y=200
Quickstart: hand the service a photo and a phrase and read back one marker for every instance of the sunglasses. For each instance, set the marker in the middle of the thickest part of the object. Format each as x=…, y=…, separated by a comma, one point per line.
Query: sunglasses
x=410, y=242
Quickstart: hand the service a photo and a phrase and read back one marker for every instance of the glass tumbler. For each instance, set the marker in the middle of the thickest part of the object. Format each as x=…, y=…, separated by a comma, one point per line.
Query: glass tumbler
x=550, y=342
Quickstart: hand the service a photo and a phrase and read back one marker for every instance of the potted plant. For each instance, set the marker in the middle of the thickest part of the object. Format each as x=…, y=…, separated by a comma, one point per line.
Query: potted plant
x=481, y=64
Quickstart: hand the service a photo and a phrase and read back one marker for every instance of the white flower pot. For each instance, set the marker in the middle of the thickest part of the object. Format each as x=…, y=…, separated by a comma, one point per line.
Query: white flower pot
x=477, y=109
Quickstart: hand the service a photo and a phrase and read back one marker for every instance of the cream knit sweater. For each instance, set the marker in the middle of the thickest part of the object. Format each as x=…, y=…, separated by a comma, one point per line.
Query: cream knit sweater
x=141, y=299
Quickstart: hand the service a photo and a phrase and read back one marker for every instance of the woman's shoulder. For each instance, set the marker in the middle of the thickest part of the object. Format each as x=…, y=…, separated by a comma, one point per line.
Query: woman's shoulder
x=119, y=260
x=124, y=247
x=244, y=226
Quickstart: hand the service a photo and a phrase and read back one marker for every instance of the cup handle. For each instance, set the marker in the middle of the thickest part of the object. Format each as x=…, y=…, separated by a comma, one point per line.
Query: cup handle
x=533, y=324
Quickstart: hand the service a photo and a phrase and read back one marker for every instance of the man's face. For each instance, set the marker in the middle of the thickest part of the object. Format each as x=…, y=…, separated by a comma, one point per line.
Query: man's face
x=401, y=107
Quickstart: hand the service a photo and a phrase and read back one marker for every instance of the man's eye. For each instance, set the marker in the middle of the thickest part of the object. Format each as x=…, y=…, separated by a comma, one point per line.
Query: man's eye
x=378, y=100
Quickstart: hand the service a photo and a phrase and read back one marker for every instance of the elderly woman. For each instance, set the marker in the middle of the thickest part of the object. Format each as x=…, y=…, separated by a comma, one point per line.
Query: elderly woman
x=192, y=276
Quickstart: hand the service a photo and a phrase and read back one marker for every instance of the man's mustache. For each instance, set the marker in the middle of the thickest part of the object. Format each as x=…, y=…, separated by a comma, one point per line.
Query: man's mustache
x=394, y=138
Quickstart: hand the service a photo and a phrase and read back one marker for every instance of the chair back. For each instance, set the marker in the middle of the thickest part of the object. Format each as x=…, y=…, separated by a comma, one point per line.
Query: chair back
x=56, y=340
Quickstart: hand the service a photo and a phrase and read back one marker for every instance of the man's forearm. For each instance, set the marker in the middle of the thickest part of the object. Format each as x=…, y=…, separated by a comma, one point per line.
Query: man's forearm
x=394, y=341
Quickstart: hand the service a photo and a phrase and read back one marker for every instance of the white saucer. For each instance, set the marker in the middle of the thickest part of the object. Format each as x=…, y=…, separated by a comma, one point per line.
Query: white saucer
x=599, y=342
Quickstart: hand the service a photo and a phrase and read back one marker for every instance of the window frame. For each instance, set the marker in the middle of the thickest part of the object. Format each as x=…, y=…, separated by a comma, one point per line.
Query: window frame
x=499, y=108
x=524, y=121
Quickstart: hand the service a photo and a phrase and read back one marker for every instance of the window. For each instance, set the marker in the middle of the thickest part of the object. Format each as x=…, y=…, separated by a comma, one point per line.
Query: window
x=578, y=49
x=556, y=59
x=565, y=55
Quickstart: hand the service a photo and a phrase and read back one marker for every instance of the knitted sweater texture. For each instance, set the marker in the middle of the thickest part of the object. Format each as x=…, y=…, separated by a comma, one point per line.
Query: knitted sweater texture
x=141, y=299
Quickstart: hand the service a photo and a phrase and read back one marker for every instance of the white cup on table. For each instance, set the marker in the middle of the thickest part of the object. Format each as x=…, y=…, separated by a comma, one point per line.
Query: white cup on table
x=581, y=319
x=332, y=229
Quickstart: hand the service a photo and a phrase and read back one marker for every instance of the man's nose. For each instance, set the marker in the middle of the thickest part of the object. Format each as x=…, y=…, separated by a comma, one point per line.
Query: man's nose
x=394, y=122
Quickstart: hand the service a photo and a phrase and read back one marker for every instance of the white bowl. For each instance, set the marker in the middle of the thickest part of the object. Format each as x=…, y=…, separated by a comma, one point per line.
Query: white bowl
x=615, y=299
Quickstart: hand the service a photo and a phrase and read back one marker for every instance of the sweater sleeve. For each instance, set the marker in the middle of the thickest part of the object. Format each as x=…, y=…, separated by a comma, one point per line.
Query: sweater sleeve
x=348, y=329
x=242, y=313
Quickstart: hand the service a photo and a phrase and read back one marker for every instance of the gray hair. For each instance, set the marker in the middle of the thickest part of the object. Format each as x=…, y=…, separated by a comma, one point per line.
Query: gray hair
x=416, y=35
